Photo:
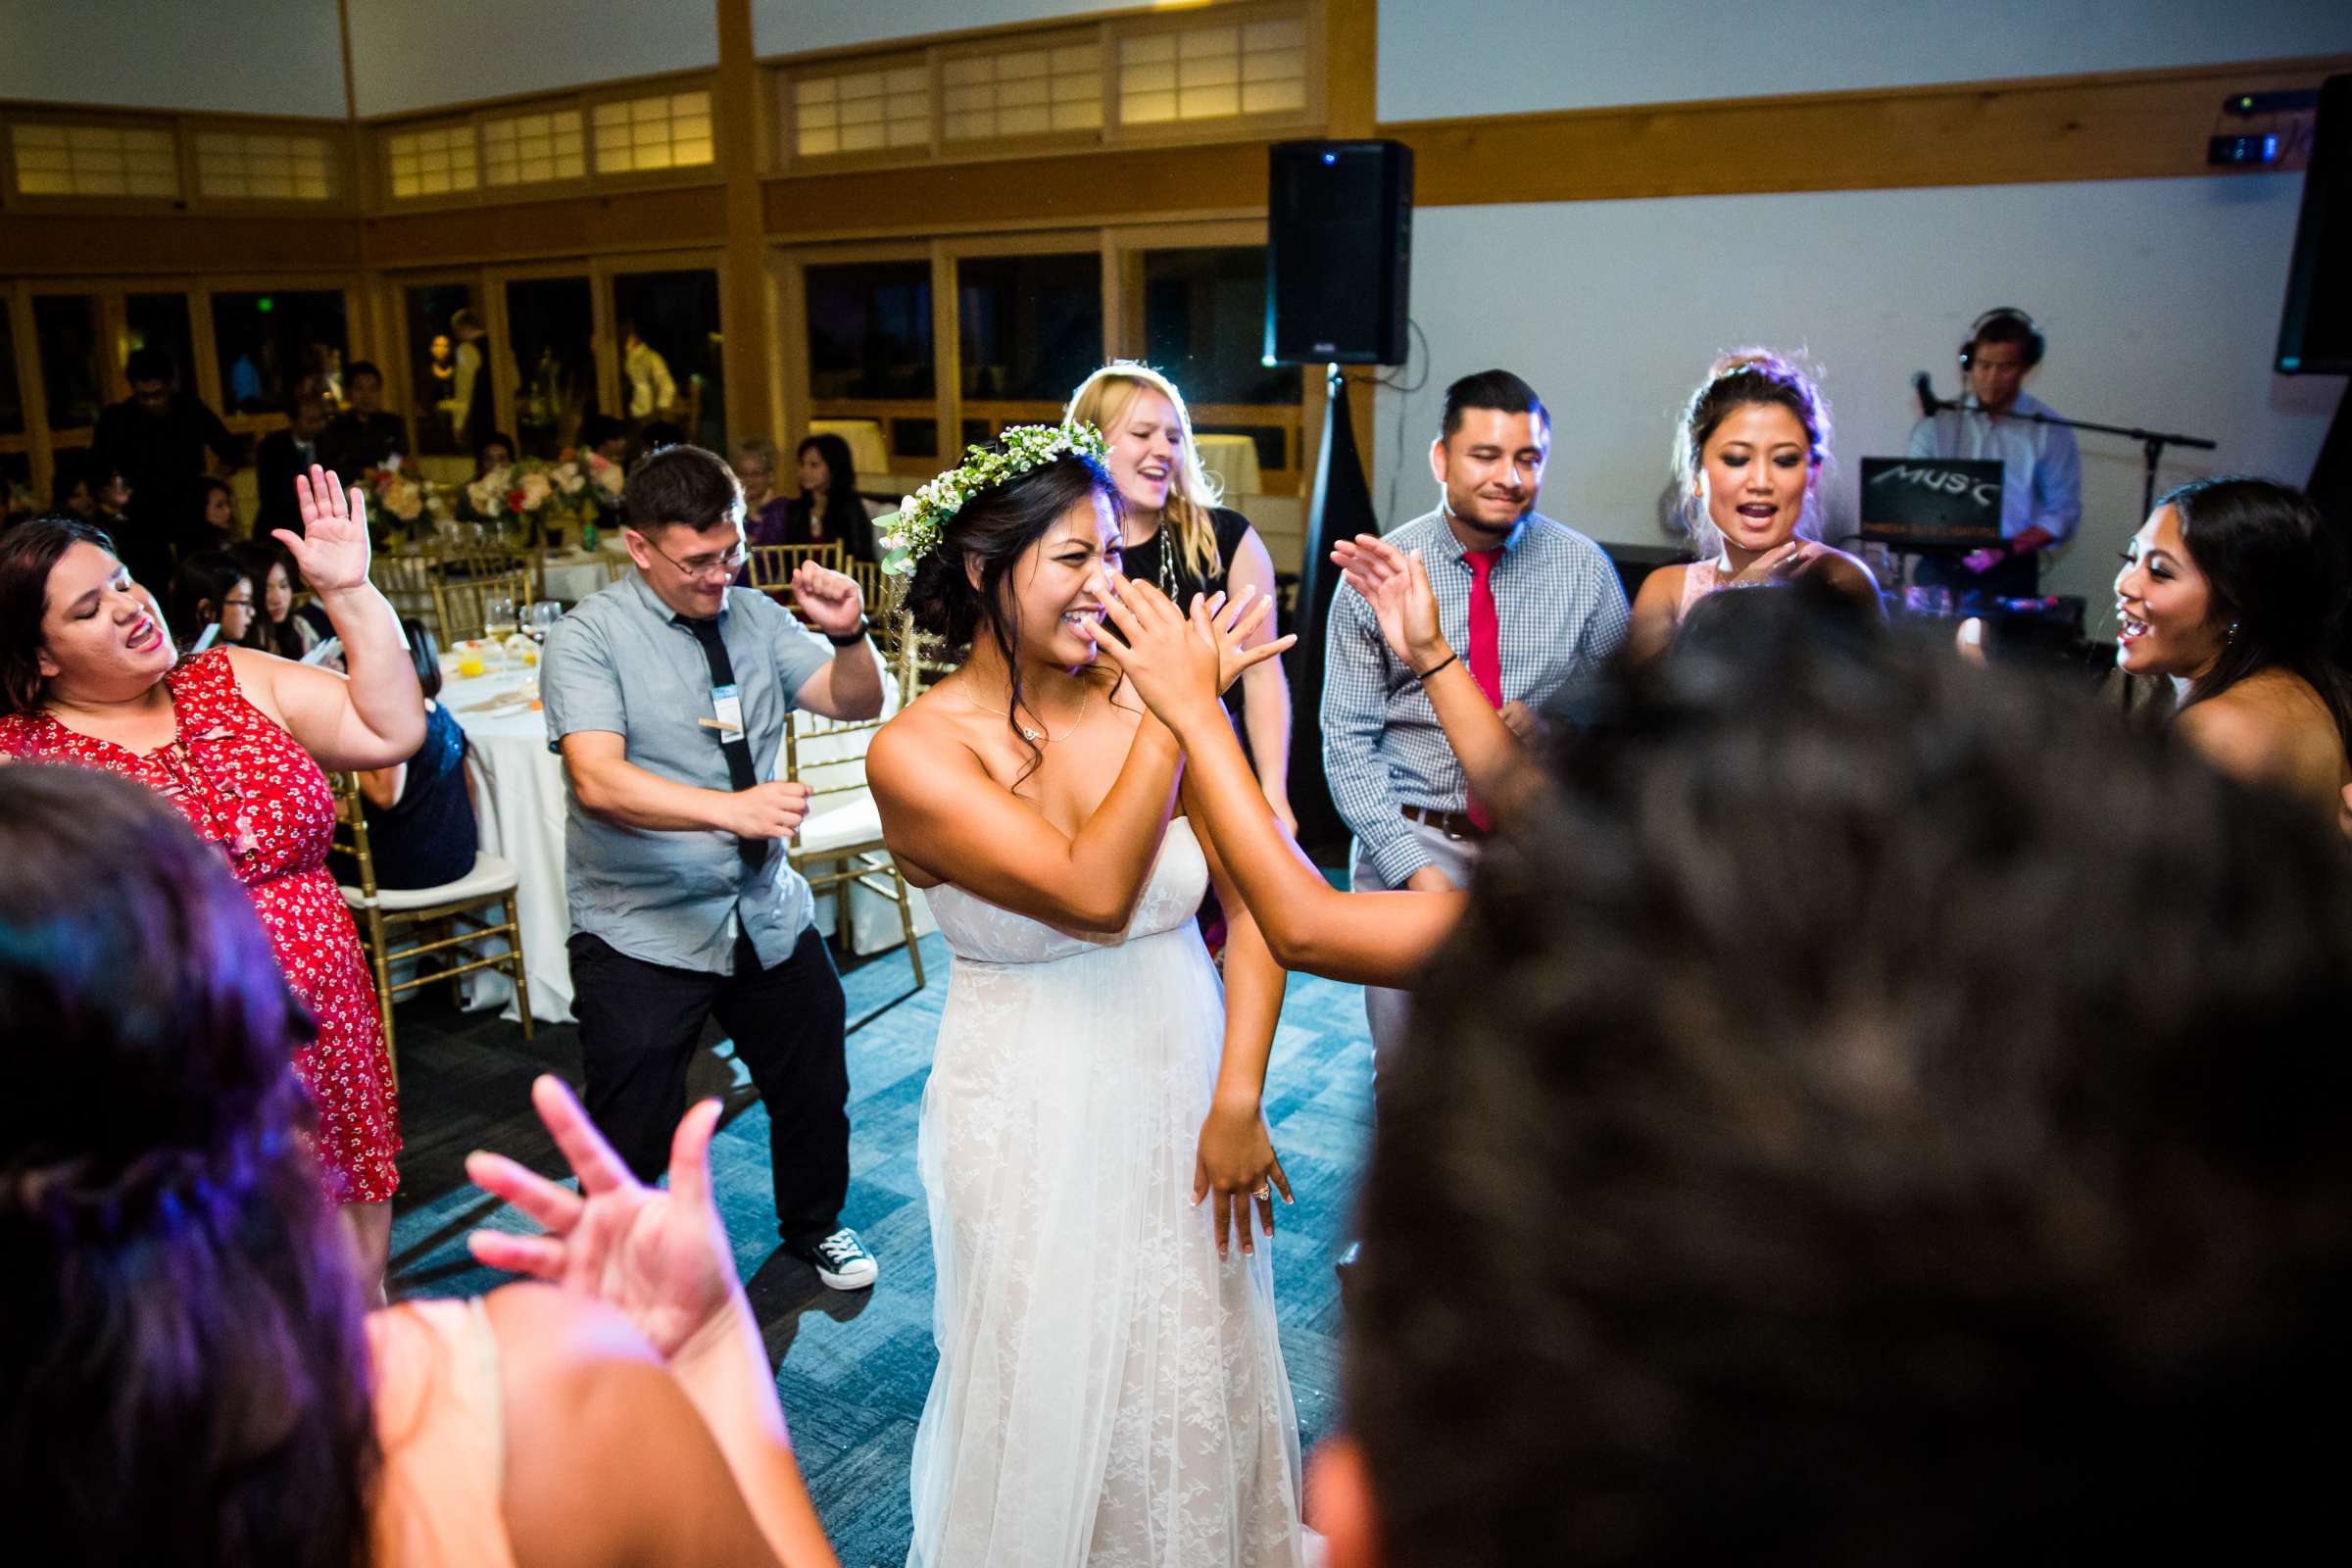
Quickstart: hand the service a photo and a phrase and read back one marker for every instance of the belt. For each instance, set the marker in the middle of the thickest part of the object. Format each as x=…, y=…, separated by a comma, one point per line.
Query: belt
x=1453, y=824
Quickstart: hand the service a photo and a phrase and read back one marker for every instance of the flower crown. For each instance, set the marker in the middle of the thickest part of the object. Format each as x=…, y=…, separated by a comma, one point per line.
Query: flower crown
x=913, y=530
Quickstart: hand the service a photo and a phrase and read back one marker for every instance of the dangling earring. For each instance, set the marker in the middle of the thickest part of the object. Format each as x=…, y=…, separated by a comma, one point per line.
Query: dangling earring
x=2231, y=635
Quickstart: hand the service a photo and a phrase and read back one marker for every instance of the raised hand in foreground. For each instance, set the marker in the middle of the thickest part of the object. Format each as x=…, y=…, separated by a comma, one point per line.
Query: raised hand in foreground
x=1178, y=663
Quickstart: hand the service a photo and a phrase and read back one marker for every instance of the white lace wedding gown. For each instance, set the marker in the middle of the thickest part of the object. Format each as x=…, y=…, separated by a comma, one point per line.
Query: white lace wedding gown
x=1109, y=1390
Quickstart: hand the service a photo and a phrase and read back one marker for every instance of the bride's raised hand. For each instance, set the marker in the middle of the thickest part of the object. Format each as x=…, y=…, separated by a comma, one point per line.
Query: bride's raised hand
x=1228, y=624
x=1172, y=668
x=1235, y=1169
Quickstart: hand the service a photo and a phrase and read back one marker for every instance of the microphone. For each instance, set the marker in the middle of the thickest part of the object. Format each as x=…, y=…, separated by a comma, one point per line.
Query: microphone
x=1929, y=402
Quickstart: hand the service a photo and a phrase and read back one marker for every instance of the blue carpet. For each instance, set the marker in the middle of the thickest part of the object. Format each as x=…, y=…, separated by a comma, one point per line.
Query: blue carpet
x=853, y=1369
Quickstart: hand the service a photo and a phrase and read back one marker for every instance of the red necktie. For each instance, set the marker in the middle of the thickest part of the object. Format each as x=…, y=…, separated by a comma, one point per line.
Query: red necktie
x=1486, y=647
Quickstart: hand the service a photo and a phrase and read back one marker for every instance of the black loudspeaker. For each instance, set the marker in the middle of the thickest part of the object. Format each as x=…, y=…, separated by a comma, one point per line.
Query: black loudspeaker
x=2315, y=331
x=1339, y=252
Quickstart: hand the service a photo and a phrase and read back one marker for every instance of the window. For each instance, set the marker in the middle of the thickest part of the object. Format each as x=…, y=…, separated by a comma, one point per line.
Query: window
x=530, y=149
x=863, y=111
x=449, y=384
x=65, y=327
x=95, y=161
x=1023, y=93
x=272, y=345
x=670, y=132
x=237, y=166
x=12, y=399
x=667, y=323
x=1030, y=327
x=1257, y=68
x=158, y=321
x=551, y=323
x=432, y=160
x=1205, y=313
x=870, y=331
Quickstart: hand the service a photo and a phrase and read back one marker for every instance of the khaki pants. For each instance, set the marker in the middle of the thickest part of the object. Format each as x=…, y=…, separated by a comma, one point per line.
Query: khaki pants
x=1387, y=1009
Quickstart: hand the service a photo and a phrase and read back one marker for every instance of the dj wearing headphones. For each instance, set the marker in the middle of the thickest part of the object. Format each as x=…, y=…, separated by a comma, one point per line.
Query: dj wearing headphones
x=2041, y=474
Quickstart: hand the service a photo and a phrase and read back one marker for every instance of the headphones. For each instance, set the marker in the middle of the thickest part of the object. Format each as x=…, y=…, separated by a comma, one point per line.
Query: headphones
x=2035, y=345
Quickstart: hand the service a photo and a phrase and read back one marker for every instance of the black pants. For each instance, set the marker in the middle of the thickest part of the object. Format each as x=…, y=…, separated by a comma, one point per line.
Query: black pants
x=640, y=1023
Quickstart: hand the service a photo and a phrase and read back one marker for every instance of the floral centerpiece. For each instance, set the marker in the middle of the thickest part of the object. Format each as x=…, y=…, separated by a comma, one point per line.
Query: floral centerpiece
x=534, y=495
x=414, y=502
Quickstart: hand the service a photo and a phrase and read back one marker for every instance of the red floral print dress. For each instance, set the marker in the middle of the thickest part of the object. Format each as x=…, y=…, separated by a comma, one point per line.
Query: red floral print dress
x=243, y=783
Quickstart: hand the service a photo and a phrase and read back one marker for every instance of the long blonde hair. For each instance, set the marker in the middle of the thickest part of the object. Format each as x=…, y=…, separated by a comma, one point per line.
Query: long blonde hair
x=1103, y=399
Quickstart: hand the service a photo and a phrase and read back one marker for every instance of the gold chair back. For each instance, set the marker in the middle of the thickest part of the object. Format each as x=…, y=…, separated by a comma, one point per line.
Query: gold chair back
x=828, y=754
x=463, y=603
x=772, y=566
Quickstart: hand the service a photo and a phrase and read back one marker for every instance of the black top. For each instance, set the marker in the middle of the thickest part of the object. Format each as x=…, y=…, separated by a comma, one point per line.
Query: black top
x=355, y=442
x=162, y=455
x=276, y=460
x=1144, y=562
x=429, y=836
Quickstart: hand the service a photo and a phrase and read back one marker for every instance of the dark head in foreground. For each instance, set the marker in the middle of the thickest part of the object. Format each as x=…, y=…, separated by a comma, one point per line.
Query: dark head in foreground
x=1874, y=1111
x=183, y=1372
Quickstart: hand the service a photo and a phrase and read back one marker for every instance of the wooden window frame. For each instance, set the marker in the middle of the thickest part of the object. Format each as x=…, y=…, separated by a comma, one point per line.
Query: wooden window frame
x=379, y=145
x=710, y=173
x=783, y=116
x=1222, y=127
x=183, y=129
x=341, y=197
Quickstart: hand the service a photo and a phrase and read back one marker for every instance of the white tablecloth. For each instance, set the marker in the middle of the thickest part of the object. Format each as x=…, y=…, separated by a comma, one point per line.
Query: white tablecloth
x=520, y=799
x=1233, y=458
x=571, y=576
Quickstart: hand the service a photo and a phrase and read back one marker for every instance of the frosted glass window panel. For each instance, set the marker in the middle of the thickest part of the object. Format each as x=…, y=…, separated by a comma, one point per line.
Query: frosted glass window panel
x=671, y=130
x=1213, y=72
x=1023, y=93
x=431, y=161
x=537, y=148
x=864, y=111
x=95, y=161
x=264, y=166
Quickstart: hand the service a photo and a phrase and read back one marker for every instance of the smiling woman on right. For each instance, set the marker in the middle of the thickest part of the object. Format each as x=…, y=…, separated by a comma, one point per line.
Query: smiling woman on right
x=2235, y=591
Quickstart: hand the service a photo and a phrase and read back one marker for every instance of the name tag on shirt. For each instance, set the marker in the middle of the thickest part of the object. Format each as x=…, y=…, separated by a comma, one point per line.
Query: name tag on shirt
x=727, y=703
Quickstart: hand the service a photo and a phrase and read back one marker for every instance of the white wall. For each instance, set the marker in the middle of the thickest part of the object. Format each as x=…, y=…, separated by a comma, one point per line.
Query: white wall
x=793, y=26
x=2160, y=299
x=418, y=54
x=257, y=57
x=1446, y=58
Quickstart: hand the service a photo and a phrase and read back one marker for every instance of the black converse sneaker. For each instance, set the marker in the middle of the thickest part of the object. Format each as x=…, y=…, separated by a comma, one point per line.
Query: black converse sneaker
x=840, y=1260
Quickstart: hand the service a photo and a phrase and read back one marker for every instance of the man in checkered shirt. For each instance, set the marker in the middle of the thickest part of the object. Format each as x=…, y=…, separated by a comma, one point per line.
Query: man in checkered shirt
x=1530, y=604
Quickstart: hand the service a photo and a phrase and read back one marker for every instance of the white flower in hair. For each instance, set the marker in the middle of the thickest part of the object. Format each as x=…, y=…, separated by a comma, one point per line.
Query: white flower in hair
x=913, y=530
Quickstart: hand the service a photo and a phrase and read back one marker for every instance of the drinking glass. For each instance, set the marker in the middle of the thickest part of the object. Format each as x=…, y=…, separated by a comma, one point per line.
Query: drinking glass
x=540, y=619
x=499, y=619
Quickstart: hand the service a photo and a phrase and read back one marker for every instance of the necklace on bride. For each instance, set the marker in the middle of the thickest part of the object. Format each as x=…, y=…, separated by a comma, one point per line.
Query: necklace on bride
x=1039, y=736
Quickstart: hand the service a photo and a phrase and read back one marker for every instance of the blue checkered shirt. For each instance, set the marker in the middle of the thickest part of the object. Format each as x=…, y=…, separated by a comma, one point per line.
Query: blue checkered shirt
x=1560, y=613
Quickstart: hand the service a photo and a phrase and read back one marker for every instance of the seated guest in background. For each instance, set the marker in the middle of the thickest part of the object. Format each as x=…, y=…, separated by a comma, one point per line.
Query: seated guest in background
x=495, y=451
x=275, y=628
x=71, y=491
x=658, y=434
x=363, y=436
x=829, y=508
x=190, y=1373
x=157, y=439
x=236, y=740
x=1838, y=1254
x=2236, y=591
x=2041, y=468
x=764, y=512
x=212, y=602
x=213, y=520
x=420, y=826
x=1533, y=604
x=283, y=454
x=1748, y=460
x=606, y=436
x=1176, y=536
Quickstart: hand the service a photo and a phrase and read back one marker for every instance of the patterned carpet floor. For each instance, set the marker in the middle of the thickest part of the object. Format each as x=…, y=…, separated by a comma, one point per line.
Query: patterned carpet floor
x=853, y=1369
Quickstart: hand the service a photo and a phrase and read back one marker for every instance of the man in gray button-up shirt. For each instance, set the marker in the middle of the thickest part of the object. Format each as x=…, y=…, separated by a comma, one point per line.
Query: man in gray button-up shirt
x=667, y=693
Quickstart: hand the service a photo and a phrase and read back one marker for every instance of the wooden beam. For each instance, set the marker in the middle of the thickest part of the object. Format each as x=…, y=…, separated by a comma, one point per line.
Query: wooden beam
x=39, y=244
x=2118, y=125
x=747, y=331
x=663, y=217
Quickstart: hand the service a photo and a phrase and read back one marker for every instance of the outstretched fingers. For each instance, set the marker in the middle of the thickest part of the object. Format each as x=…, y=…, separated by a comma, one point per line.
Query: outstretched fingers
x=592, y=1159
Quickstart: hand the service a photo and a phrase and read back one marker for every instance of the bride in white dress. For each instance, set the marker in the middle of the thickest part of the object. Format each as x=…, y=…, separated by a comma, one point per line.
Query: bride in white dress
x=1111, y=1389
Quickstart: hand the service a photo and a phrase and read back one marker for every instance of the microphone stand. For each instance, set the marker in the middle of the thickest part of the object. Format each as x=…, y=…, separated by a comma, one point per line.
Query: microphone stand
x=2152, y=442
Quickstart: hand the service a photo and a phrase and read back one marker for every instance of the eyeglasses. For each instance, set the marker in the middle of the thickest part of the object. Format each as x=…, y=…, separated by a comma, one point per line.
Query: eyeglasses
x=704, y=565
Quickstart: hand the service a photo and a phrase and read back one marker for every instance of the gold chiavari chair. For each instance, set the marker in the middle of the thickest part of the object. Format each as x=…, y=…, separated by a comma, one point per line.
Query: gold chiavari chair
x=772, y=566
x=407, y=582
x=380, y=912
x=463, y=603
x=843, y=829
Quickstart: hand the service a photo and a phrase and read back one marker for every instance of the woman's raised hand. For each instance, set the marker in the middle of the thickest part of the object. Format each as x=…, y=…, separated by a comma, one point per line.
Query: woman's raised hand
x=661, y=1258
x=1774, y=567
x=1229, y=623
x=1396, y=587
x=331, y=551
x=1171, y=662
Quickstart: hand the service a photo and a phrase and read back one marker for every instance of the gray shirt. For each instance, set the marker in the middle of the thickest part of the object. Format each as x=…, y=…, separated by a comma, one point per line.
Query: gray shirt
x=625, y=662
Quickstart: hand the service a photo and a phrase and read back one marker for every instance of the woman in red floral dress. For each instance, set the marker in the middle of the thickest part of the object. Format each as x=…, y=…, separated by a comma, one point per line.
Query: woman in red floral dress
x=236, y=739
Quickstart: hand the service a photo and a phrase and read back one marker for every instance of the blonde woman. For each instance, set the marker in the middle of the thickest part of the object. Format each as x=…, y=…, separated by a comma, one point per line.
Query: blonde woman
x=1177, y=538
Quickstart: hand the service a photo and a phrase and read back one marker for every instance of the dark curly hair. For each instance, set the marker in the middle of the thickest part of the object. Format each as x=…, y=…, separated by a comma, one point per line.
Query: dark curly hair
x=183, y=1373
x=993, y=530
x=1872, y=1110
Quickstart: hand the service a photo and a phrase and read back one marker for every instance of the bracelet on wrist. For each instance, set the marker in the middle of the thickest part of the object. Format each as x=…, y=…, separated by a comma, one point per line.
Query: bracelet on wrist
x=1424, y=674
x=851, y=639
